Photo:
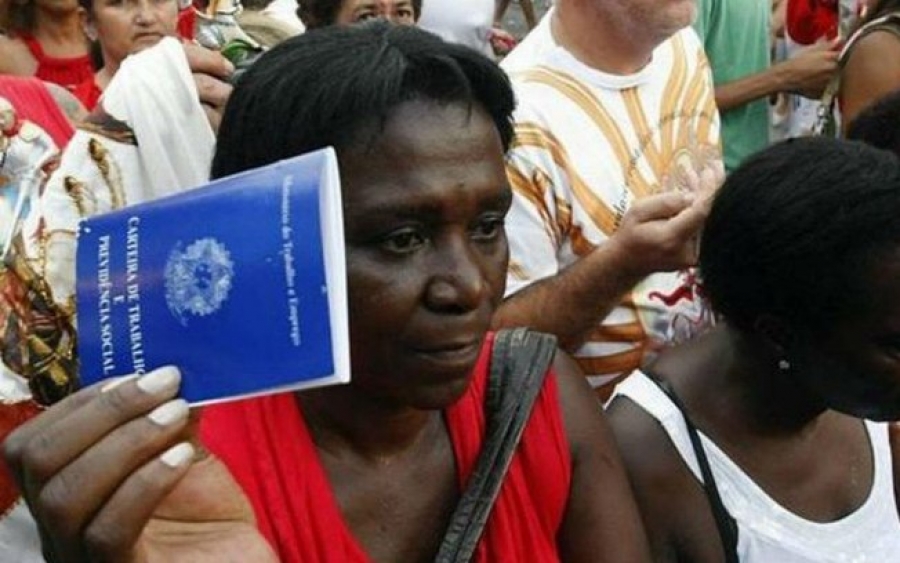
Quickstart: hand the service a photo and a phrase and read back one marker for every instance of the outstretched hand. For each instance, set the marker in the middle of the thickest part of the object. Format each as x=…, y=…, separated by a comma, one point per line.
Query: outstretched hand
x=111, y=474
x=661, y=232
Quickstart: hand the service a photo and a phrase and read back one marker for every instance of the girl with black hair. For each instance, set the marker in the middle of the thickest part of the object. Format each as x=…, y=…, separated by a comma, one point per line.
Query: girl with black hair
x=765, y=440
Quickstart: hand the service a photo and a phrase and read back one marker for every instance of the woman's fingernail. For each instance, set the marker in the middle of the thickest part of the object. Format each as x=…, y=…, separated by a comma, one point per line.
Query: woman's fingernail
x=178, y=455
x=116, y=382
x=170, y=413
x=160, y=380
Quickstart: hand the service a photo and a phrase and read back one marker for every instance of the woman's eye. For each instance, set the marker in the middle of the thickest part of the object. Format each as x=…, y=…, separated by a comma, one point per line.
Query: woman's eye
x=405, y=14
x=403, y=242
x=366, y=16
x=488, y=229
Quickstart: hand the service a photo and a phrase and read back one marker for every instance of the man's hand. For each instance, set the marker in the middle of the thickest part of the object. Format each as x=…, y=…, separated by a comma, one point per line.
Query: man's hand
x=658, y=233
x=810, y=70
x=661, y=232
x=211, y=73
x=110, y=475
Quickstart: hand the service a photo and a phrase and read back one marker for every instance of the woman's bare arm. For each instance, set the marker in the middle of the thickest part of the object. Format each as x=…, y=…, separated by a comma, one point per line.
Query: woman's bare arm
x=871, y=72
x=601, y=523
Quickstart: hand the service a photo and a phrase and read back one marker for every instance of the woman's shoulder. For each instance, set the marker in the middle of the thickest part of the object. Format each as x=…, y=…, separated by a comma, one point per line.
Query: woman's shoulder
x=876, y=41
x=15, y=58
x=673, y=505
x=647, y=448
x=871, y=70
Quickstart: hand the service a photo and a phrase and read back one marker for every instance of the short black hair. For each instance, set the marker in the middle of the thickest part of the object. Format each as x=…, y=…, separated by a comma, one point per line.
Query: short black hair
x=879, y=124
x=794, y=232
x=326, y=86
x=321, y=13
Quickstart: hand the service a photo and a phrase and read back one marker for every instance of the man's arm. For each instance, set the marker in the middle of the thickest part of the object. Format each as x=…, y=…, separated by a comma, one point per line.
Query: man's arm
x=657, y=234
x=806, y=74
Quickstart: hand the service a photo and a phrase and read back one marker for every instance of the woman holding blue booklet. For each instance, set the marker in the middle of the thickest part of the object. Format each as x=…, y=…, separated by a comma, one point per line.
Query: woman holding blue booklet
x=380, y=469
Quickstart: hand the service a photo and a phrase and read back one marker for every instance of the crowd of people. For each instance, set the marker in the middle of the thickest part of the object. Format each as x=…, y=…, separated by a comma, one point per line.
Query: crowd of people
x=719, y=292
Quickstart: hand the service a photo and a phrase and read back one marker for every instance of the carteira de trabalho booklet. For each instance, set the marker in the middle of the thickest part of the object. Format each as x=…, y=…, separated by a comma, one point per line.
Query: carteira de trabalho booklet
x=240, y=283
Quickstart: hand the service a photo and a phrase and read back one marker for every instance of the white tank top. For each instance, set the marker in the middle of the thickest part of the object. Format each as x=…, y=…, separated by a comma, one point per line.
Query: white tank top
x=768, y=532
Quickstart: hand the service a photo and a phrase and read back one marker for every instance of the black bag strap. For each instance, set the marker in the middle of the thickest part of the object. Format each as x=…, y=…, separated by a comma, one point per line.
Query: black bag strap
x=519, y=361
x=725, y=523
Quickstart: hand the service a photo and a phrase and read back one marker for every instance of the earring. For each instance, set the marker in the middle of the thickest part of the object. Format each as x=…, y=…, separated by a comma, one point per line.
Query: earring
x=784, y=365
x=89, y=31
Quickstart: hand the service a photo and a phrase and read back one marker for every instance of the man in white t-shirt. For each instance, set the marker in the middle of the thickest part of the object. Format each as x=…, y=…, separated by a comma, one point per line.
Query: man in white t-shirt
x=616, y=131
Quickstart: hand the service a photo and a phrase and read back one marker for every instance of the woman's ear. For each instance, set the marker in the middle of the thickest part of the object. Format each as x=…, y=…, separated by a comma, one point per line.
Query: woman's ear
x=87, y=24
x=776, y=333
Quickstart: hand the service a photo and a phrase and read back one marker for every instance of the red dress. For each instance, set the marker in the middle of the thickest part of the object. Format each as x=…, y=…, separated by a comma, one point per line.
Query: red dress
x=67, y=72
x=267, y=447
x=88, y=93
x=187, y=22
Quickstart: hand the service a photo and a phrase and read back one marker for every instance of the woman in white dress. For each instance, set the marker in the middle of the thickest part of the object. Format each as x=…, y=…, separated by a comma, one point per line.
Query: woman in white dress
x=790, y=459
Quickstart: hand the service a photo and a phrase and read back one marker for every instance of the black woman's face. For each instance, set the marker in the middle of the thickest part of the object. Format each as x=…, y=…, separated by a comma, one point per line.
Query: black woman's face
x=855, y=365
x=426, y=250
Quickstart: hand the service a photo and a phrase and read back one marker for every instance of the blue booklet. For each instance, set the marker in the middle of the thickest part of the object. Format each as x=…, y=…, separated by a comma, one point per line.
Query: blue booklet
x=240, y=283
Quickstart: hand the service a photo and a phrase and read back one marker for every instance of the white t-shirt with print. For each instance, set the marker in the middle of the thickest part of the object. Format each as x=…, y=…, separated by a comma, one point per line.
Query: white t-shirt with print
x=587, y=145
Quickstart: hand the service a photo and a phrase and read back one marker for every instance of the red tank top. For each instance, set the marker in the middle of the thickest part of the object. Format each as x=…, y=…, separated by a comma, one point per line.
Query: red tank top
x=12, y=416
x=67, y=72
x=187, y=22
x=266, y=445
x=88, y=93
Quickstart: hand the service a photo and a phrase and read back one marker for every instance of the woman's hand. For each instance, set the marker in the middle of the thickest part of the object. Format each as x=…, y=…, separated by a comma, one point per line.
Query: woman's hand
x=212, y=73
x=502, y=41
x=110, y=474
